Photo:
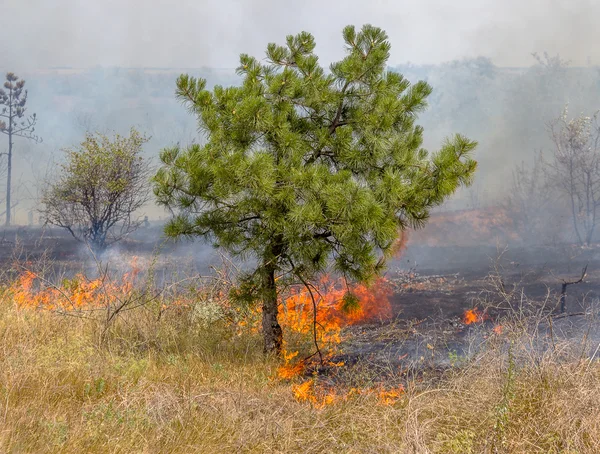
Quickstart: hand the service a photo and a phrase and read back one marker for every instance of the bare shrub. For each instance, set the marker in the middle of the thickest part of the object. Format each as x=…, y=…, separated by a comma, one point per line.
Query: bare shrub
x=575, y=170
x=533, y=203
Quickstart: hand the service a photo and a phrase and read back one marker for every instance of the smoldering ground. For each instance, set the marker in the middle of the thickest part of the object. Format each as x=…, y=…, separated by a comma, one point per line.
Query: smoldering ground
x=112, y=65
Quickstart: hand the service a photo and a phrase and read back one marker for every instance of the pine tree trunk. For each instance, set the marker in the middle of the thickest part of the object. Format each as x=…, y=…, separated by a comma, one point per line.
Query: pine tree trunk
x=272, y=333
x=8, y=176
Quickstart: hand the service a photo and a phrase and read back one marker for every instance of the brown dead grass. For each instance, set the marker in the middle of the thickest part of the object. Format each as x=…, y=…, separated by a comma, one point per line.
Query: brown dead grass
x=173, y=386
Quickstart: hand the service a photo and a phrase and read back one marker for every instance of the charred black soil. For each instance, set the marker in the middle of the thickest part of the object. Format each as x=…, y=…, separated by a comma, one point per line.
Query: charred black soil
x=433, y=286
x=443, y=282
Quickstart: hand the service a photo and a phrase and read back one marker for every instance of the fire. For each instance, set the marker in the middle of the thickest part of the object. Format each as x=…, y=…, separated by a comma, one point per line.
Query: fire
x=317, y=397
x=473, y=316
x=289, y=370
x=390, y=396
x=78, y=293
x=296, y=308
x=304, y=391
x=334, y=311
x=320, y=397
x=498, y=329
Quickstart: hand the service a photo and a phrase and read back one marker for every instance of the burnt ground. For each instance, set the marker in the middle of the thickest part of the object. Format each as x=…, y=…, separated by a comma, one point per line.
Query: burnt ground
x=443, y=282
x=433, y=286
x=397, y=351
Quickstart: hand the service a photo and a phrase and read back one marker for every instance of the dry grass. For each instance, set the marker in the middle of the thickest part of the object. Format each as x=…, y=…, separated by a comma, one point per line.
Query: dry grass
x=173, y=385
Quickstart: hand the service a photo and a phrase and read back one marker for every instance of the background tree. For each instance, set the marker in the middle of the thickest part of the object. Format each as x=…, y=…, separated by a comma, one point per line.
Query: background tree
x=13, y=97
x=303, y=169
x=575, y=169
x=532, y=202
x=99, y=189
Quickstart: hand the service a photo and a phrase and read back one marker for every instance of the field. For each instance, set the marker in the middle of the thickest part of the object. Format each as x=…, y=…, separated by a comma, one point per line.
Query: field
x=471, y=355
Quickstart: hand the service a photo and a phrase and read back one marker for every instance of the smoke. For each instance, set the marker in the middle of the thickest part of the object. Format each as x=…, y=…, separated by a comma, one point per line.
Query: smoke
x=196, y=33
x=515, y=28
x=134, y=33
x=106, y=41
x=435, y=31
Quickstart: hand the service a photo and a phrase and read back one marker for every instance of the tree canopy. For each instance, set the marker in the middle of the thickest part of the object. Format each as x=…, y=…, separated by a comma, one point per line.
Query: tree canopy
x=303, y=168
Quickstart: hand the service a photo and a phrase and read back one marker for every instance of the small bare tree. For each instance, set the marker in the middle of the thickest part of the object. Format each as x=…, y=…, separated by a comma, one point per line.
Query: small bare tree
x=575, y=169
x=14, y=98
x=529, y=200
x=97, y=192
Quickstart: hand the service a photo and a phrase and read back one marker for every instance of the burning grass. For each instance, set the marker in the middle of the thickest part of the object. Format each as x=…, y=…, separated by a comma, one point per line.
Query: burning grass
x=179, y=380
x=473, y=316
x=336, y=308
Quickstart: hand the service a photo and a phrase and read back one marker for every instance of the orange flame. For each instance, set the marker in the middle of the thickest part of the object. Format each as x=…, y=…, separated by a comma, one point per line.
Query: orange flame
x=290, y=370
x=390, y=396
x=32, y=291
x=78, y=293
x=297, y=314
x=317, y=397
x=304, y=391
x=473, y=316
x=297, y=309
x=320, y=397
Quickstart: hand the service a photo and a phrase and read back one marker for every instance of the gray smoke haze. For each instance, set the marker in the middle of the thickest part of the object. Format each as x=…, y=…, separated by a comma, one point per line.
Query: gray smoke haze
x=194, y=33
x=107, y=41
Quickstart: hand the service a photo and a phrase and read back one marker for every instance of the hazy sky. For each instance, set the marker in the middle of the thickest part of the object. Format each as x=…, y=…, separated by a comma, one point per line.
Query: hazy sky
x=194, y=33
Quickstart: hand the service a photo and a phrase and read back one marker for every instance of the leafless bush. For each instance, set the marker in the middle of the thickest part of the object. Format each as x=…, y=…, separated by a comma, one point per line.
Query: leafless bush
x=533, y=203
x=575, y=170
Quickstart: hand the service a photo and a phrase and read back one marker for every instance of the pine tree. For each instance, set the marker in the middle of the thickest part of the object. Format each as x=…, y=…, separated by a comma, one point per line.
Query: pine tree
x=14, y=98
x=305, y=170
